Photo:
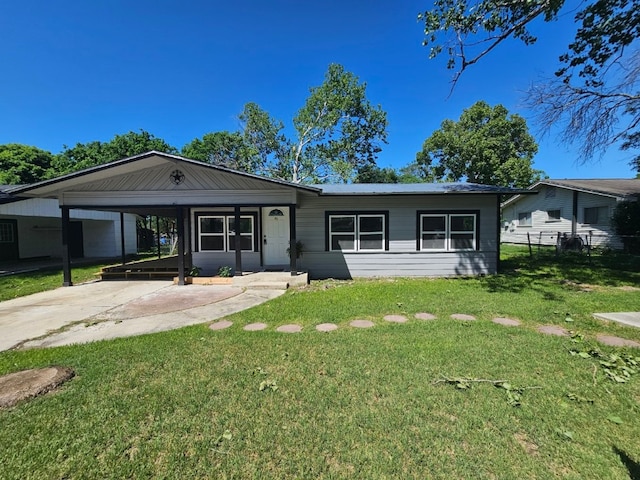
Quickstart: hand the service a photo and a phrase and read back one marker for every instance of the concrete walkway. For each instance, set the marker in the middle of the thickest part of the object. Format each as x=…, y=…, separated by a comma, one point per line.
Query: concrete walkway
x=105, y=310
x=626, y=318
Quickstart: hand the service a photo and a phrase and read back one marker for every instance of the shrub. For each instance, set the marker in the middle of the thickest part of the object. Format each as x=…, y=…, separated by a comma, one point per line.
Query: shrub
x=626, y=223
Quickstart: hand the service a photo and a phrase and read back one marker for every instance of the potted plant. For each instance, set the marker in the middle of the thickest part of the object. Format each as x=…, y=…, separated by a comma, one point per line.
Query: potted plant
x=297, y=249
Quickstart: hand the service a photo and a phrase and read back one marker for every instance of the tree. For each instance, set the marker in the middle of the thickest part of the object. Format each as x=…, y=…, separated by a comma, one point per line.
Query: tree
x=97, y=153
x=337, y=132
x=227, y=149
x=486, y=145
x=626, y=223
x=596, y=94
x=371, y=173
x=21, y=164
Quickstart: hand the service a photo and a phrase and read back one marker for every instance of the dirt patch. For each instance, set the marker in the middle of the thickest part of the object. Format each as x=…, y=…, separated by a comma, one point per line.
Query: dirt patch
x=528, y=446
x=19, y=386
x=629, y=288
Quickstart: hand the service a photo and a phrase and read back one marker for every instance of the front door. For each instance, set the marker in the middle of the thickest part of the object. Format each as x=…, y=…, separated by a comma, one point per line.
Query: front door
x=8, y=240
x=275, y=236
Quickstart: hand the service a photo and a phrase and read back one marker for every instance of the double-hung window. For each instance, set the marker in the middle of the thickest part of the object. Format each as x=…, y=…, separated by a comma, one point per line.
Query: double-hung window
x=218, y=233
x=357, y=232
x=447, y=231
x=596, y=215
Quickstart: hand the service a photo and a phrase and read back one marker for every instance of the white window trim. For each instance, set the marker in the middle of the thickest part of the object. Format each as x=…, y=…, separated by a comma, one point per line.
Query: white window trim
x=445, y=231
x=356, y=233
x=448, y=232
x=226, y=219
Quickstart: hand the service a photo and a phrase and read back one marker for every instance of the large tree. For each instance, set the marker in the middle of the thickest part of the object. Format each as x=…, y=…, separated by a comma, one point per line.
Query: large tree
x=337, y=133
x=21, y=164
x=85, y=155
x=227, y=149
x=595, y=95
x=486, y=145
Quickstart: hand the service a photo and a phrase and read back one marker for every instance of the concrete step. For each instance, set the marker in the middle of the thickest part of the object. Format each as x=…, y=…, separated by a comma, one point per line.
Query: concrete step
x=266, y=285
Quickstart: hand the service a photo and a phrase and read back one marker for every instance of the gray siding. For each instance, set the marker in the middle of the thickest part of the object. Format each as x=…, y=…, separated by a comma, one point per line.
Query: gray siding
x=402, y=258
x=544, y=231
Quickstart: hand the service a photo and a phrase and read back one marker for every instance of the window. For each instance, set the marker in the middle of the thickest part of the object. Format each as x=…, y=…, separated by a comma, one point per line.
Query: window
x=447, y=231
x=218, y=233
x=524, y=219
x=357, y=232
x=553, y=215
x=6, y=233
x=596, y=215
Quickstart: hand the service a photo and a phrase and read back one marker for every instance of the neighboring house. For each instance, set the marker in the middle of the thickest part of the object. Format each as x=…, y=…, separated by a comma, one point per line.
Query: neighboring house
x=346, y=230
x=571, y=207
x=31, y=228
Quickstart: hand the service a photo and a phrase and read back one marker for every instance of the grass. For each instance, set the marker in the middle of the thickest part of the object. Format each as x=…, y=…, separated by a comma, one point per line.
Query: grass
x=352, y=403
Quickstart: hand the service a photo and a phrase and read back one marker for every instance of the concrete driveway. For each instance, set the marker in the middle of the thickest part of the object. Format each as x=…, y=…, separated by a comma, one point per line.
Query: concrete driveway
x=104, y=310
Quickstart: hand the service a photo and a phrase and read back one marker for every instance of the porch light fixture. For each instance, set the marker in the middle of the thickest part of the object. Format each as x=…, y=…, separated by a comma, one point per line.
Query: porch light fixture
x=276, y=212
x=177, y=177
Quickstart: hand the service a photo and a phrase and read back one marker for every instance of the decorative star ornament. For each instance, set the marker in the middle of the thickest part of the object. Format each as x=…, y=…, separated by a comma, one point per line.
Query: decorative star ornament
x=177, y=177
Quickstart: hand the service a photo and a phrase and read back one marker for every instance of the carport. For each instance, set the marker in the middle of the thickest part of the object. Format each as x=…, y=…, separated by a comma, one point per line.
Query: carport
x=160, y=184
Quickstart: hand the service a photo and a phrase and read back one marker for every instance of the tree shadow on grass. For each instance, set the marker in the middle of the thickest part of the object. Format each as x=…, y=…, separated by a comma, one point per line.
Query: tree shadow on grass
x=632, y=466
x=520, y=272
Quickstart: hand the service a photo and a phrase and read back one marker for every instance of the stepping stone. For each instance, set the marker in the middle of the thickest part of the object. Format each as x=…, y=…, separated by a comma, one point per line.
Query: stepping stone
x=507, y=322
x=254, y=327
x=395, y=318
x=221, y=325
x=425, y=316
x=553, y=330
x=362, y=324
x=291, y=328
x=326, y=327
x=617, y=341
x=463, y=316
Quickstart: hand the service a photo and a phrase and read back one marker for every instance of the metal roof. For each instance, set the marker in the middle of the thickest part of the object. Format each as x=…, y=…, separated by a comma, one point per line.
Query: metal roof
x=6, y=196
x=621, y=188
x=416, y=189
x=618, y=187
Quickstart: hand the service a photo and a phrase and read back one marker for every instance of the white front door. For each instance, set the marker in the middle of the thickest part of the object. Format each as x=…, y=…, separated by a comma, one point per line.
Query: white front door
x=275, y=236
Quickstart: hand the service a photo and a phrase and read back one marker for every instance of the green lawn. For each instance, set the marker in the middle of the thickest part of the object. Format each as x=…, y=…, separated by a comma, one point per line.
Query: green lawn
x=194, y=403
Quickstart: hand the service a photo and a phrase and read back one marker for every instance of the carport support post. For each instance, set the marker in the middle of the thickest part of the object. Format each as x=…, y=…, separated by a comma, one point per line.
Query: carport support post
x=238, y=241
x=66, y=257
x=180, y=229
x=293, y=250
x=122, y=245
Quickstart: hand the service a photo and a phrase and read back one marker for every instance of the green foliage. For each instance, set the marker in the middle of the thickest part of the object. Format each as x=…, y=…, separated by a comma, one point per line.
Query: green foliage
x=595, y=92
x=94, y=153
x=338, y=130
x=225, y=271
x=226, y=149
x=338, y=133
x=617, y=367
x=21, y=164
x=371, y=173
x=486, y=145
x=626, y=223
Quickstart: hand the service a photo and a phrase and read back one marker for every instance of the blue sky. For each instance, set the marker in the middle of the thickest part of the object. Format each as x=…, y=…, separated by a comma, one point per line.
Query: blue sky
x=77, y=71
